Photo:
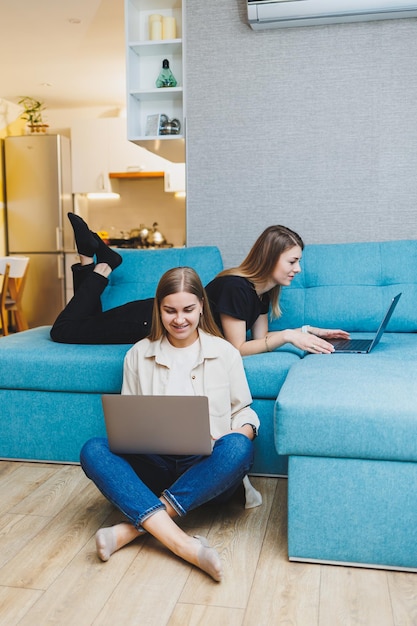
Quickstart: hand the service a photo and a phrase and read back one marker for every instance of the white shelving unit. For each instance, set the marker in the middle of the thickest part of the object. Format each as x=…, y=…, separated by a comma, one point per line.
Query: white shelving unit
x=144, y=58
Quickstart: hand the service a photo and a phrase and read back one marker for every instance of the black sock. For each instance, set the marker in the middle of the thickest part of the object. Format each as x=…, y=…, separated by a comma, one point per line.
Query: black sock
x=105, y=254
x=84, y=238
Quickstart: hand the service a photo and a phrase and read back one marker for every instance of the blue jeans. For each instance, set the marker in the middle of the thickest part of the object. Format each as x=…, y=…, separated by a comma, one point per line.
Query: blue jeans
x=134, y=482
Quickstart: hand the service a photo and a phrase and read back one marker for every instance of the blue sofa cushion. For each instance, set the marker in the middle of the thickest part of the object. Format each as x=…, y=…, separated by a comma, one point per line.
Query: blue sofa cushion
x=353, y=406
x=266, y=373
x=137, y=277
x=34, y=362
x=350, y=285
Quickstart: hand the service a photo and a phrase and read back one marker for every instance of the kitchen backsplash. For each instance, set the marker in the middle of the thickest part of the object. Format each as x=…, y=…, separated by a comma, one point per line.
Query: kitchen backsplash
x=144, y=202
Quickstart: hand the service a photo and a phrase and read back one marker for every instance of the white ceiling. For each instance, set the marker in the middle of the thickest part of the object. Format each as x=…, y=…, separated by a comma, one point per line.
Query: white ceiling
x=66, y=53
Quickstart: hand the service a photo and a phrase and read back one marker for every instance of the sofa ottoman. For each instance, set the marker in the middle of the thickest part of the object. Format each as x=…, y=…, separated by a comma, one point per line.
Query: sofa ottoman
x=349, y=426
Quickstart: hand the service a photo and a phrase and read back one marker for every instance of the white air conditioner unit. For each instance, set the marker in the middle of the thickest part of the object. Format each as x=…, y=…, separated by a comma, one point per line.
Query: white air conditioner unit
x=281, y=13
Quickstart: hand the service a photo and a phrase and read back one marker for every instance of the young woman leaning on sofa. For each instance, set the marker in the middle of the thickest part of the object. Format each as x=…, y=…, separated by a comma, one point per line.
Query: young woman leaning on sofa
x=240, y=297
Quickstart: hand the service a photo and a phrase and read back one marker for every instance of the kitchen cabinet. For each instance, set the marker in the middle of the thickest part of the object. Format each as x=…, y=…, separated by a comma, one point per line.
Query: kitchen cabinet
x=174, y=177
x=100, y=146
x=144, y=56
x=174, y=181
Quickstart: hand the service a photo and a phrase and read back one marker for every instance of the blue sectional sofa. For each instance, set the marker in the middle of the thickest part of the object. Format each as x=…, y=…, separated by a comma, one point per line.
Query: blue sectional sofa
x=345, y=424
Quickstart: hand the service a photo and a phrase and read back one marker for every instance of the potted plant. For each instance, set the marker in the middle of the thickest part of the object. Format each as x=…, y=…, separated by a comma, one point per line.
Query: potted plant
x=33, y=114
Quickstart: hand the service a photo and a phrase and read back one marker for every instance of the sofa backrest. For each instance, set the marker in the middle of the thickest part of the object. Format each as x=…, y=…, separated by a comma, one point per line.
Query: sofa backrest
x=138, y=275
x=349, y=286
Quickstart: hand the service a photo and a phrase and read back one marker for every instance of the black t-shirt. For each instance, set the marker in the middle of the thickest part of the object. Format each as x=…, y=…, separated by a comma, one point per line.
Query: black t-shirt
x=236, y=296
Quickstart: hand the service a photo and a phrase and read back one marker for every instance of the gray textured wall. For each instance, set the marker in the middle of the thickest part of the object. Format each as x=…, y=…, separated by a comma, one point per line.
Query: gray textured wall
x=314, y=128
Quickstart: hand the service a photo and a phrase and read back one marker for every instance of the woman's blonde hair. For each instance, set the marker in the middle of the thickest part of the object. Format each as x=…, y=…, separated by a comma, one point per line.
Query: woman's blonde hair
x=177, y=280
x=263, y=257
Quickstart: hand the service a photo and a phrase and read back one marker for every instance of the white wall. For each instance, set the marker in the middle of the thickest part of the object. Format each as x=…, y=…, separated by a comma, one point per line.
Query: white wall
x=314, y=128
x=60, y=120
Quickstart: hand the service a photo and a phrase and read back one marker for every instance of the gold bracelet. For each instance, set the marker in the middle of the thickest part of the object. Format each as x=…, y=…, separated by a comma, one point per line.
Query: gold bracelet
x=266, y=344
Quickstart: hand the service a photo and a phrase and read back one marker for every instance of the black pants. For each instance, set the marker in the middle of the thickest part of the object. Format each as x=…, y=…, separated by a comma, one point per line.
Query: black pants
x=84, y=321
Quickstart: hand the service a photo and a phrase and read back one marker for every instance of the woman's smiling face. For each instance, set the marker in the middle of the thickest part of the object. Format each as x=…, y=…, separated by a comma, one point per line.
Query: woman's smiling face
x=288, y=265
x=180, y=316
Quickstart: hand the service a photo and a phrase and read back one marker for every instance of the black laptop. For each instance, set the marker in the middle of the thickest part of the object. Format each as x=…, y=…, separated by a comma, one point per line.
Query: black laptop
x=363, y=346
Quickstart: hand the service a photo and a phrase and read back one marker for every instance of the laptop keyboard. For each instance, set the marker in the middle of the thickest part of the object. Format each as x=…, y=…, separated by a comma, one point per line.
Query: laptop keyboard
x=351, y=344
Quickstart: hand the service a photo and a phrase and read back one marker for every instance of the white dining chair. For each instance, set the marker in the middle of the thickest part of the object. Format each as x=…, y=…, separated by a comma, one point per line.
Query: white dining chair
x=14, y=271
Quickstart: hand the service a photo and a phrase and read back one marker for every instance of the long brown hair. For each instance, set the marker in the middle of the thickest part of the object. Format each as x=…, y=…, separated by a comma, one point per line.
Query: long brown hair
x=177, y=280
x=263, y=257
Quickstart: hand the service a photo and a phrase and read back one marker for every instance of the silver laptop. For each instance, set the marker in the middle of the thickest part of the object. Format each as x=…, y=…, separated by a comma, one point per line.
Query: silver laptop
x=157, y=424
x=363, y=346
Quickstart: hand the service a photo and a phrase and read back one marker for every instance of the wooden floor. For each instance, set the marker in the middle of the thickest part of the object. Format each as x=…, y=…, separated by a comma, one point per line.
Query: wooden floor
x=50, y=575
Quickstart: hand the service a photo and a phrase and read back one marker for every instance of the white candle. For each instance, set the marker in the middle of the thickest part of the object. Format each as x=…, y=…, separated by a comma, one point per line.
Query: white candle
x=169, y=28
x=155, y=27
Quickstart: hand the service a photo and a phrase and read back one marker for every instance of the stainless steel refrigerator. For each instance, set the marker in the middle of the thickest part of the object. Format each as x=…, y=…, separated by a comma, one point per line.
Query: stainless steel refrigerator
x=38, y=197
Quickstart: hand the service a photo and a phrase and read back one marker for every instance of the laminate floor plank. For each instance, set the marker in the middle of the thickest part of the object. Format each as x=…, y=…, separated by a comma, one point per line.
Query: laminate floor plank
x=54, y=493
x=282, y=592
x=197, y=615
x=15, y=603
x=238, y=535
x=354, y=596
x=7, y=467
x=18, y=484
x=149, y=590
x=79, y=593
x=16, y=531
x=40, y=562
x=403, y=593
